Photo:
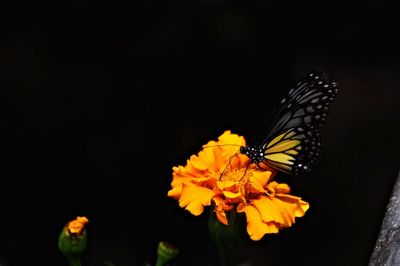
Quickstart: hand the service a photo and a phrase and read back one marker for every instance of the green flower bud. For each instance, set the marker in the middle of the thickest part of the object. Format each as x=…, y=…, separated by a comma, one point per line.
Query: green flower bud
x=73, y=240
x=166, y=252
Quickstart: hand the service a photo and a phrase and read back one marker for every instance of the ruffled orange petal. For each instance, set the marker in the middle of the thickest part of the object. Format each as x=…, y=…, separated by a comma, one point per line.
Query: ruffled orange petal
x=180, y=176
x=281, y=188
x=280, y=211
x=228, y=138
x=256, y=228
x=231, y=143
x=194, y=198
x=258, y=180
x=212, y=157
x=227, y=185
x=185, y=172
x=199, y=163
x=301, y=205
x=270, y=211
x=219, y=159
x=216, y=154
x=177, y=186
x=231, y=195
x=220, y=204
x=220, y=208
x=221, y=216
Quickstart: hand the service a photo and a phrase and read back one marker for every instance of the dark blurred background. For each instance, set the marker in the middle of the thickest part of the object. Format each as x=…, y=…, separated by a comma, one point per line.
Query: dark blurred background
x=99, y=101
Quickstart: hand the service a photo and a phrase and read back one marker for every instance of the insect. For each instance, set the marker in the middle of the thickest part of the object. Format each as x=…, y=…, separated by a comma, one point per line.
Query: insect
x=293, y=144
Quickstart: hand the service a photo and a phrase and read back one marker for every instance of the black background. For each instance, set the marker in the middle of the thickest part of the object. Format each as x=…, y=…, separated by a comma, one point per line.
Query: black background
x=99, y=101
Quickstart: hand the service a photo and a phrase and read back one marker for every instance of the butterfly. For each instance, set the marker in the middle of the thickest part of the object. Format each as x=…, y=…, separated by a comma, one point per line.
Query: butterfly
x=293, y=144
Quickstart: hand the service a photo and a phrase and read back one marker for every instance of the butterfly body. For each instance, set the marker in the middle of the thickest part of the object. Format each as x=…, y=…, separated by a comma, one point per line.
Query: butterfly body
x=293, y=141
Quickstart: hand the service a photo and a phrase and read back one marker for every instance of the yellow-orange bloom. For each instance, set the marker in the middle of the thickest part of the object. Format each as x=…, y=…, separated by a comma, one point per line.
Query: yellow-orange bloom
x=76, y=226
x=221, y=177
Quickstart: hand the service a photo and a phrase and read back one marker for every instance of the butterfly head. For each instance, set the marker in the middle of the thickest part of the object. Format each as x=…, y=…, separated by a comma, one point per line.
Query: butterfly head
x=256, y=155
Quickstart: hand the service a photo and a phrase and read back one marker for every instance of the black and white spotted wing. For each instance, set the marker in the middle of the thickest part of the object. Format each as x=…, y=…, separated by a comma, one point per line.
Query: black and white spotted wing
x=293, y=142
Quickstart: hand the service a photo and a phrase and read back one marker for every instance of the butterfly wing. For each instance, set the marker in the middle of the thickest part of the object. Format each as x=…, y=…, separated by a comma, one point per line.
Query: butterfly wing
x=293, y=143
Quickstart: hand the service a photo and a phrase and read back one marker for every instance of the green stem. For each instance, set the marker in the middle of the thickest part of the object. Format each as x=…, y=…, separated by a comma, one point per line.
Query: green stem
x=160, y=262
x=226, y=257
x=74, y=260
x=228, y=238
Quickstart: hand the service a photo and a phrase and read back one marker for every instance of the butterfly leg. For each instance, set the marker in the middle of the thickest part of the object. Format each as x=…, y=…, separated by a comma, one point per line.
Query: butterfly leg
x=228, y=164
x=245, y=171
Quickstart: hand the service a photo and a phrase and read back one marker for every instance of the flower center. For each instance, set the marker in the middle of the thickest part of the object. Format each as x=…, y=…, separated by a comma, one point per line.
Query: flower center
x=236, y=175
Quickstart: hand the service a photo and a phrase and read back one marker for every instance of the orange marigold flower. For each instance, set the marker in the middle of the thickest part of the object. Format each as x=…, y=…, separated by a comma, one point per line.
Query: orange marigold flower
x=76, y=226
x=221, y=177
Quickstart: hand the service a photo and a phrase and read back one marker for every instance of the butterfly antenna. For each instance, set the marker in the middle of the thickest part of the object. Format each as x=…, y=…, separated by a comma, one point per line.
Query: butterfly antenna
x=245, y=171
x=220, y=145
x=229, y=163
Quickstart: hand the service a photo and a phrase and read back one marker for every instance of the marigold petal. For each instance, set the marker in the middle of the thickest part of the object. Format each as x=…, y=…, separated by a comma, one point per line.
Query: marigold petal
x=194, y=198
x=187, y=172
x=240, y=207
x=273, y=228
x=269, y=210
x=177, y=184
x=287, y=210
x=256, y=228
x=198, y=163
x=281, y=188
x=219, y=159
x=221, y=216
x=301, y=205
x=175, y=192
x=218, y=201
x=258, y=180
x=215, y=155
x=228, y=138
x=281, y=210
x=226, y=184
x=238, y=161
x=288, y=198
x=220, y=207
x=231, y=143
x=232, y=195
